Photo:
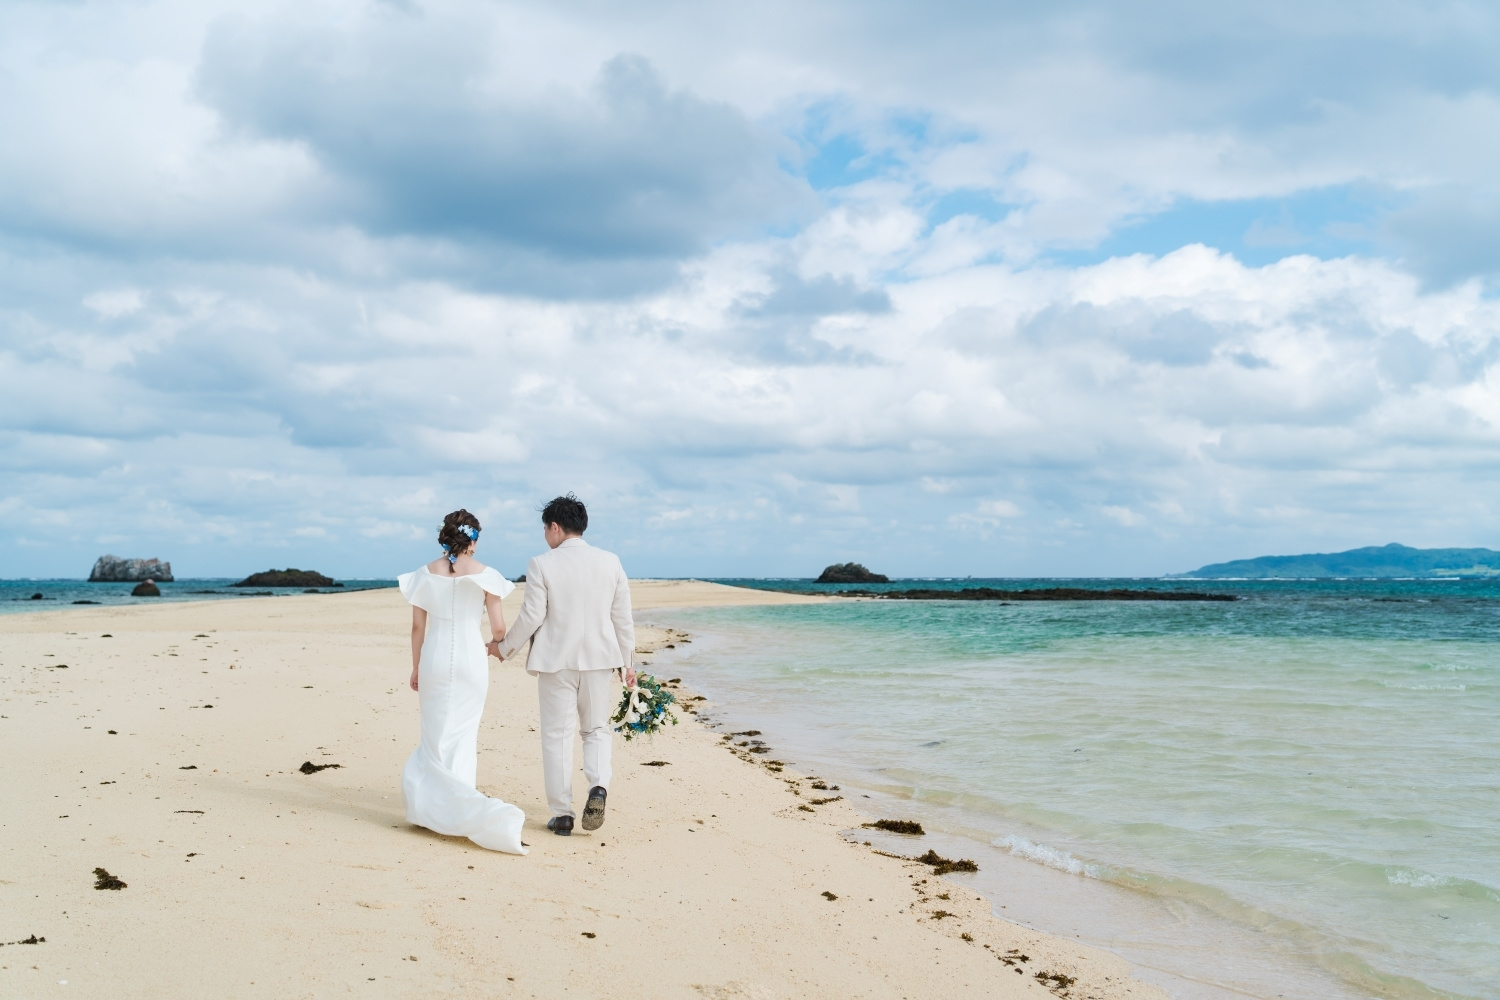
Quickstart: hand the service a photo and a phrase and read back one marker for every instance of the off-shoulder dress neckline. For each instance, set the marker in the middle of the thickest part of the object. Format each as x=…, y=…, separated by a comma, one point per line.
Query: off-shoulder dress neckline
x=458, y=576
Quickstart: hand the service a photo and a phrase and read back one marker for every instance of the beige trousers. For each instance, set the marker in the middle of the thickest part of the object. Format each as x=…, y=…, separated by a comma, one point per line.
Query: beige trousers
x=566, y=697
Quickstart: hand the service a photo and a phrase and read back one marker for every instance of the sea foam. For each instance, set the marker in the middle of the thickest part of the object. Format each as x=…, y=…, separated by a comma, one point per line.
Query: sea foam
x=1049, y=856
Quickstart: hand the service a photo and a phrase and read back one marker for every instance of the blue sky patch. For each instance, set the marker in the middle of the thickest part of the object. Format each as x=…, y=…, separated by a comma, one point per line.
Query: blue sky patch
x=1323, y=222
x=839, y=156
x=980, y=204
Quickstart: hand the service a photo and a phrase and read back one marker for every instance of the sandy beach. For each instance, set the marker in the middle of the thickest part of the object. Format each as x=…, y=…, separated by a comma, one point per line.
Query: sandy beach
x=164, y=744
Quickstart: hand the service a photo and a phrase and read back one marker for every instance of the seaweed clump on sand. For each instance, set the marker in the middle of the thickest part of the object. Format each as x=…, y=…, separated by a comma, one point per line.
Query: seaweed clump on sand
x=907, y=826
x=308, y=767
x=104, y=880
x=942, y=866
x=656, y=763
x=31, y=940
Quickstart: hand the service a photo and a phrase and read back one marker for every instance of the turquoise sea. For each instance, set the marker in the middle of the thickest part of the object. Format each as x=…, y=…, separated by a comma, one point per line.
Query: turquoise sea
x=48, y=595
x=1296, y=794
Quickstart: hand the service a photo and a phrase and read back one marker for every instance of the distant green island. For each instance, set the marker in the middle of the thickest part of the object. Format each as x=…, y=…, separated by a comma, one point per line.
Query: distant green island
x=1381, y=561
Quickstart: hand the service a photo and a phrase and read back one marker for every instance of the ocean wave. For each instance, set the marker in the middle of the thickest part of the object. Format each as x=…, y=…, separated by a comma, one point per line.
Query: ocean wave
x=1418, y=880
x=1463, y=887
x=1399, y=686
x=1049, y=856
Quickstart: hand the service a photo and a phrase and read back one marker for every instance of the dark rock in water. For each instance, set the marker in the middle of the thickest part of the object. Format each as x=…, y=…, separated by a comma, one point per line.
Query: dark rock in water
x=113, y=569
x=288, y=578
x=1045, y=594
x=85, y=602
x=851, y=573
x=146, y=588
x=519, y=579
x=37, y=597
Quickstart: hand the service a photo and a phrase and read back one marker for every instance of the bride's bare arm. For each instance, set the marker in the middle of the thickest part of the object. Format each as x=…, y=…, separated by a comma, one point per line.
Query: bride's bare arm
x=497, y=617
x=418, y=633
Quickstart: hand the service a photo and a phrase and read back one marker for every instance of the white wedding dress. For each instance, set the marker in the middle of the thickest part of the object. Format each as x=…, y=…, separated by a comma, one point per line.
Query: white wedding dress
x=452, y=679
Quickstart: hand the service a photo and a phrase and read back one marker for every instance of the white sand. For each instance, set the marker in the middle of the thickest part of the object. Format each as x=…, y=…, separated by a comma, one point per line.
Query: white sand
x=247, y=878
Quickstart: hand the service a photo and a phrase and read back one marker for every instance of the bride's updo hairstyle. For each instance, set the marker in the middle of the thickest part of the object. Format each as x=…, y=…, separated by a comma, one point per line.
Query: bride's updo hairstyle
x=460, y=530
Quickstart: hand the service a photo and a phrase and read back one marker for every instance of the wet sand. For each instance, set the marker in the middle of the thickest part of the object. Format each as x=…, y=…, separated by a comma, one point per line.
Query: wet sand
x=165, y=745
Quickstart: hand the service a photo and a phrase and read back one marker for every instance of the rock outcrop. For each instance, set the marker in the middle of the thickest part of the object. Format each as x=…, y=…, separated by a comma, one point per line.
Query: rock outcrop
x=113, y=569
x=851, y=573
x=146, y=588
x=288, y=578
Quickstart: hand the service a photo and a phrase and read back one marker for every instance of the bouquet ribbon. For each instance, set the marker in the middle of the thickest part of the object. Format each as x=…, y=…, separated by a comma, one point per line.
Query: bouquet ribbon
x=638, y=705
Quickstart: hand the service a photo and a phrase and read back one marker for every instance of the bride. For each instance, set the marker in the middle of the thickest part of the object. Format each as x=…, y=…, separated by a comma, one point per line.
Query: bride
x=450, y=674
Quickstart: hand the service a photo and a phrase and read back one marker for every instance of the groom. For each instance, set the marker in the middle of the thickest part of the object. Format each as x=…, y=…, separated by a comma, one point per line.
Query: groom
x=577, y=605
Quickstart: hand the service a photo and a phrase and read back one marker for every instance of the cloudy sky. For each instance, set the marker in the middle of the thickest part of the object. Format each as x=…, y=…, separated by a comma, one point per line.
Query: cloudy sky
x=947, y=288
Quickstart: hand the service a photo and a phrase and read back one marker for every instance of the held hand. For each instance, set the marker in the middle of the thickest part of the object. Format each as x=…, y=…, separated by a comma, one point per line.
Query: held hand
x=628, y=674
x=493, y=646
x=413, y=678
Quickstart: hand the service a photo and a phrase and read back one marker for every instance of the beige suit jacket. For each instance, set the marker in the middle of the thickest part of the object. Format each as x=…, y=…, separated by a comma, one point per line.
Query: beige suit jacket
x=577, y=605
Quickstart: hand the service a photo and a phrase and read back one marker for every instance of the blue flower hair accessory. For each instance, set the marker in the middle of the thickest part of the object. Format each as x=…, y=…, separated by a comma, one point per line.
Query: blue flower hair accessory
x=466, y=529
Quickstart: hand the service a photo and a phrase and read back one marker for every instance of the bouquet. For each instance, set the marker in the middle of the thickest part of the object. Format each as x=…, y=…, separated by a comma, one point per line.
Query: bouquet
x=644, y=709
